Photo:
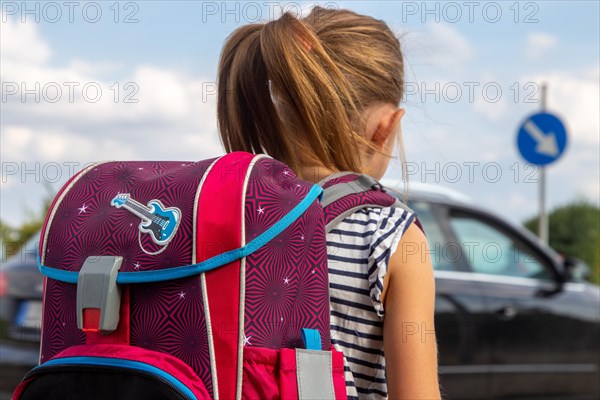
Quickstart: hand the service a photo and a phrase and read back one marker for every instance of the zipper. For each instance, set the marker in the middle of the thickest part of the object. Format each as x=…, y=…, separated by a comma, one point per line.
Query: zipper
x=73, y=364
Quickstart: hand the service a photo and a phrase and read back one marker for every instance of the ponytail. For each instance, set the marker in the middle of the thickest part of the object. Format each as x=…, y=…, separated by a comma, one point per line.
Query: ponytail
x=284, y=91
x=245, y=110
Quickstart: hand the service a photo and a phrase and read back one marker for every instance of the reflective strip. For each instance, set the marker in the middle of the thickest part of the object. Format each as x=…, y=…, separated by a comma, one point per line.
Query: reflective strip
x=315, y=375
x=210, y=264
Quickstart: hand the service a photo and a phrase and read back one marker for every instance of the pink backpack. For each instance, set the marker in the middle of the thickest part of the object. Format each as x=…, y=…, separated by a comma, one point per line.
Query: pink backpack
x=191, y=280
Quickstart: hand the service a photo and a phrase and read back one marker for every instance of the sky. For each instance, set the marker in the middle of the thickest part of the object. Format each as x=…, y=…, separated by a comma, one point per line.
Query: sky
x=135, y=80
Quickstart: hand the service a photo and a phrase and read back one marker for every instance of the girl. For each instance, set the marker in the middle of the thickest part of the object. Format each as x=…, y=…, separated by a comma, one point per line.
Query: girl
x=322, y=94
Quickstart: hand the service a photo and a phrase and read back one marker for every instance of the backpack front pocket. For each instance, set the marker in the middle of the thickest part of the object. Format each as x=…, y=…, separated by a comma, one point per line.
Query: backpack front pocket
x=108, y=372
x=282, y=374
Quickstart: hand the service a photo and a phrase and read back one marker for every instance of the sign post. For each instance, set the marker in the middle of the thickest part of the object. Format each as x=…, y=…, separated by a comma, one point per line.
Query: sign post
x=543, y=219
x=541, y=140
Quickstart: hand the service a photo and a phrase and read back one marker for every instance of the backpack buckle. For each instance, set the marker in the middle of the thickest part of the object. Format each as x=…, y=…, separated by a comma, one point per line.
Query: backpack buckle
x=378, y=186
x=98, y=296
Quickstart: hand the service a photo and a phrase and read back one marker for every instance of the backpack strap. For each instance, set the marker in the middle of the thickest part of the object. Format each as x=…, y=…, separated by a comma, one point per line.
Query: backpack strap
x=346, y=192
x=336, y=178
x=223, y=288
x=361, y=184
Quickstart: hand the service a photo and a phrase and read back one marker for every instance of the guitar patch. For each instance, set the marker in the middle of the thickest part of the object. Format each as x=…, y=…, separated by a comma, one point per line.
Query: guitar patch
x=158, y=221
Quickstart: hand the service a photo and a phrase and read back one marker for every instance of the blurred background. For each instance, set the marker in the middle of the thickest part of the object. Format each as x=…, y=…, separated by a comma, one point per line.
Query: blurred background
x=89, y=81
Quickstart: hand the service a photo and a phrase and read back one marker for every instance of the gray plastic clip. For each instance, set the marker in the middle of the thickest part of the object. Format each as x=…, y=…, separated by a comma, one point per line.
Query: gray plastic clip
x=97, y=289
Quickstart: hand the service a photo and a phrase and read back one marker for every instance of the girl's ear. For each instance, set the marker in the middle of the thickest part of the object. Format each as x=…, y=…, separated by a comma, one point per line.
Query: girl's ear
x=387, y=126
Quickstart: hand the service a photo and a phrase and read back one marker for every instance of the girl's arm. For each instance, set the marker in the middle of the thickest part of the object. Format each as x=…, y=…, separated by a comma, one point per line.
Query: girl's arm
x=408, y=331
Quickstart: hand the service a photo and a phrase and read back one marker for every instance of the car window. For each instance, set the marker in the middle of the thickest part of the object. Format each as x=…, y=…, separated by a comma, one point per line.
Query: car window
x=441, y=256
x=491, y=251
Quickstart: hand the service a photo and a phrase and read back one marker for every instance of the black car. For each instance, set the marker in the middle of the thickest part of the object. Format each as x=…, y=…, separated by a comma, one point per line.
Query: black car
x=20, y=314
x=513, y=318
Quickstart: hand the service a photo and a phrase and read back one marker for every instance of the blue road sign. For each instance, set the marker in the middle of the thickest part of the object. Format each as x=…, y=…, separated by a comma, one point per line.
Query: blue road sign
x=542, y=138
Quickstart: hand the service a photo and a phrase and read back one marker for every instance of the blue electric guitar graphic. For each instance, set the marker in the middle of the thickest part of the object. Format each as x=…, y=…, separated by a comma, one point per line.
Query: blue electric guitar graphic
x=157, y=220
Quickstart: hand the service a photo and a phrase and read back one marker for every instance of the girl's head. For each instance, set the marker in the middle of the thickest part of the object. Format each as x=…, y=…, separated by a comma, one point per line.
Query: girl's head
x=319, y=93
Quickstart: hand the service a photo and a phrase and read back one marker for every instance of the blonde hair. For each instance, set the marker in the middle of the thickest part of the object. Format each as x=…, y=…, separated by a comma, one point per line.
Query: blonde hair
x=297, y=89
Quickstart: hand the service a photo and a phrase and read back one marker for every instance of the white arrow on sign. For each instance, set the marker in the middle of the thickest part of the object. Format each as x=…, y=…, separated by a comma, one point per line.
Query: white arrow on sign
x=546, y=144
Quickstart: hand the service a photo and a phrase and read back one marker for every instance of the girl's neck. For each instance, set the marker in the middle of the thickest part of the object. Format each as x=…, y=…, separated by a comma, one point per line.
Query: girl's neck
x=315, y=173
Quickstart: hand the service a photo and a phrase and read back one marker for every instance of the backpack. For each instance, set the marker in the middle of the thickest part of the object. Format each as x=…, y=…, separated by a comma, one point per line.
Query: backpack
x=191, y=280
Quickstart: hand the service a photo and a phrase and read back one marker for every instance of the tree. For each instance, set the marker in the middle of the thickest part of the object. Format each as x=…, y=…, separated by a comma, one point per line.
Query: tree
x=6, y=237
x=12, y=238
x=574, y=230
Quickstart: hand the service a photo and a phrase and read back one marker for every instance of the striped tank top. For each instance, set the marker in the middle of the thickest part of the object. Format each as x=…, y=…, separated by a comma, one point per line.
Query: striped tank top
x=359, y=249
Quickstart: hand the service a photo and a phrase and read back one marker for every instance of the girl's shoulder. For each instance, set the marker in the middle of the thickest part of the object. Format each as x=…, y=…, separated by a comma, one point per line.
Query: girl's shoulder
x=370, y=236
x=378, y=222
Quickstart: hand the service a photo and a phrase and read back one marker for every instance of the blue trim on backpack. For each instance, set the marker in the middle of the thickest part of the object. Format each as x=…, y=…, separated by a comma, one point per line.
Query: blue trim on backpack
x=121, y=363
x=207, y=265
x=311, y=339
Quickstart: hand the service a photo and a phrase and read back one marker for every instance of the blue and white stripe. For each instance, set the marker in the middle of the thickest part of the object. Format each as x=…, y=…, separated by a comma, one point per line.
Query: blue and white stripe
x=359, y=249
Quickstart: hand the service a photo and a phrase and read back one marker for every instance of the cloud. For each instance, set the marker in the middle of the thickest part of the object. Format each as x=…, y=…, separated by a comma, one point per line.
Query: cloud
x=494, y=111
x=73, y=103
x=56, y=144
x=575, y=96
x=440, y=45
x=88, y=68
x=491, y=100
x=21, y=43
x=538, y=44
x=17, y=139
x=518, y=200
x=74, y=112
